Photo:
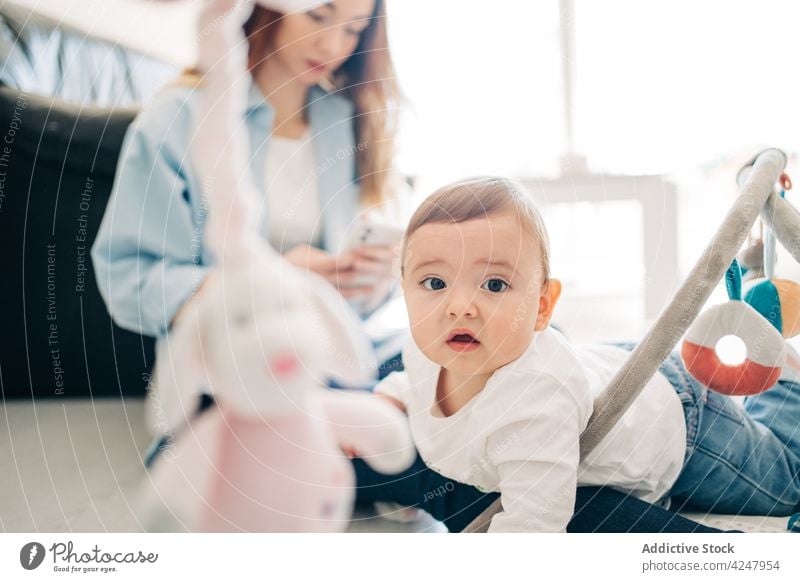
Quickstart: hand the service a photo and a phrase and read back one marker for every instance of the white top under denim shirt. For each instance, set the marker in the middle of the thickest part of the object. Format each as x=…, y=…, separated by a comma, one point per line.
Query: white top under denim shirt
x=520, y=434
x=292, y=193
x=149, y=254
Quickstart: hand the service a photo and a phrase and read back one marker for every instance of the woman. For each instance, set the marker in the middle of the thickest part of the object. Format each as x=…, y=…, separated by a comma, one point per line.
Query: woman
x=329, y=158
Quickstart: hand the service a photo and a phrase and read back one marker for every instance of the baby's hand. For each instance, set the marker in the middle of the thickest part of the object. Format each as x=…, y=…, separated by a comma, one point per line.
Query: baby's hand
x=393, y=401
x=349, y=450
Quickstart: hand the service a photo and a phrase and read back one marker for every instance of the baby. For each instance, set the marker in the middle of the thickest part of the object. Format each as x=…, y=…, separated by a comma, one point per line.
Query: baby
x=498, y=399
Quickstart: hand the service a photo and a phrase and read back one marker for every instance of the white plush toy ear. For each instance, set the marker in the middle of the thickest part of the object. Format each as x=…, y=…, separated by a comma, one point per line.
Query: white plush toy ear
x=347, y=353
x=350, y=357
x=220, y=150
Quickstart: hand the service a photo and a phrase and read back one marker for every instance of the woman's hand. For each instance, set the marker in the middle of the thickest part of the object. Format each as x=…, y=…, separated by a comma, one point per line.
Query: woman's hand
x=375, y=261
x=376, y=265
x=364, y=271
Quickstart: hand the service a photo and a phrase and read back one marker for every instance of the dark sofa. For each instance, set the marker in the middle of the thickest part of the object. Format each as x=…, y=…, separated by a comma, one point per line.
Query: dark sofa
x=59, y=144
x=57, y=166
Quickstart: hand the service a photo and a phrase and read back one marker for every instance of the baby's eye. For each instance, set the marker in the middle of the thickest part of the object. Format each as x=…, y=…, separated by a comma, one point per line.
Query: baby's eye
x=495, y=285
x=433, y=283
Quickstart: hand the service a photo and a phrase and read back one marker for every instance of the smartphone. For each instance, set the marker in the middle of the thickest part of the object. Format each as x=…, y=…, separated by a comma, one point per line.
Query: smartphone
x=370, y=232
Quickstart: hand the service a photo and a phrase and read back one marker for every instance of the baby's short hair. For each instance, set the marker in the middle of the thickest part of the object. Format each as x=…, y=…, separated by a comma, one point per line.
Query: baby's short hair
x=479, y=197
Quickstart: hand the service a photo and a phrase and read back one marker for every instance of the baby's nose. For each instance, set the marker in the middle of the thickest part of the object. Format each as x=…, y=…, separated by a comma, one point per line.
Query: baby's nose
x=462, y=305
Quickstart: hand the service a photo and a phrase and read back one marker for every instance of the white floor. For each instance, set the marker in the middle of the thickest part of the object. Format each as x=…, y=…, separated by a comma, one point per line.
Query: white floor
x=77, y=465
x=70, y=465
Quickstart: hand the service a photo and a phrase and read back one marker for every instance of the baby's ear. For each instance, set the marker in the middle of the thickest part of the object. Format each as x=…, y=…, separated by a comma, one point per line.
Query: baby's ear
x=547, y=302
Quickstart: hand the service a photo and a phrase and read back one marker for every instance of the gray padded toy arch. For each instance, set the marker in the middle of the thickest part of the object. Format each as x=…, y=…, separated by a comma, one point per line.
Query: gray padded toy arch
x=756, y=181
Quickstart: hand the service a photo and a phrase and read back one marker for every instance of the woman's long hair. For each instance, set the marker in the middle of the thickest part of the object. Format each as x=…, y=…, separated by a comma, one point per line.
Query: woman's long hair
x=367, y=78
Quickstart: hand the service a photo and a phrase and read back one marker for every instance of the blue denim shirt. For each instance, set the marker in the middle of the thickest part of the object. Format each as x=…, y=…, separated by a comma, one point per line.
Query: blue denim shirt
x=149, y=255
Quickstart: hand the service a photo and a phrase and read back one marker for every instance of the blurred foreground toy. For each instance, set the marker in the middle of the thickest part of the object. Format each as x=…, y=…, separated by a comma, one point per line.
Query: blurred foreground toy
x=261, y=338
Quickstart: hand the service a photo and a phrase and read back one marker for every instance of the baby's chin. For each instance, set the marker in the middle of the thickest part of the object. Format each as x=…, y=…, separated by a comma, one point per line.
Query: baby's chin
x=465, y=364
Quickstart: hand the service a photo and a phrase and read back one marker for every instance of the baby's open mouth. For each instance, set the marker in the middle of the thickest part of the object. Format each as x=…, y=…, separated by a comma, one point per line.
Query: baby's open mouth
x=463, y=342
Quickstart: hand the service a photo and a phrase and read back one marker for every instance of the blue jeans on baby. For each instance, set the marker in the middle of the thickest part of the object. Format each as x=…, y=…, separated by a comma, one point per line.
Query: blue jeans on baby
x=738, y=461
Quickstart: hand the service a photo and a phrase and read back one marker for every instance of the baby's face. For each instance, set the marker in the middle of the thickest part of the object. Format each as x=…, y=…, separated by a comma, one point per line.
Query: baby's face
x=474, y=292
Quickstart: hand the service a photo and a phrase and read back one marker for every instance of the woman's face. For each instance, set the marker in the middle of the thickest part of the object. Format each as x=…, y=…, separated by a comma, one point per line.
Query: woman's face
x=308, y=46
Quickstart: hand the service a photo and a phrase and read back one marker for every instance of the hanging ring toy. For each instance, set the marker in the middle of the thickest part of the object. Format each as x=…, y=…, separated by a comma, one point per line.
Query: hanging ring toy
x=766, y=349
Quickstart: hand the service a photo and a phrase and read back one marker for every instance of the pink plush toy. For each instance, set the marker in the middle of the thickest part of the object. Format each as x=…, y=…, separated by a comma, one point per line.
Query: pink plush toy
x=261, y=339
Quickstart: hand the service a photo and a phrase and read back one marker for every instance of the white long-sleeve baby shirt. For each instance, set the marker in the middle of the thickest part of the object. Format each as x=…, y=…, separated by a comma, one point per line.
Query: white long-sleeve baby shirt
x=520, y=434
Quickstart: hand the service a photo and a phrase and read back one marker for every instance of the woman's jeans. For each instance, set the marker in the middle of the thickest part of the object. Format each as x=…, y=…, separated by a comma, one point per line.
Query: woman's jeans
x=597, y=509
